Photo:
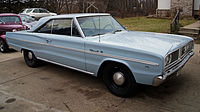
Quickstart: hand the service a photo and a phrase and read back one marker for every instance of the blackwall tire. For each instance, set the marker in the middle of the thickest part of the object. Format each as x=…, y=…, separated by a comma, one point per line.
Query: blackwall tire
x=3, y=46
x=30, y=59
x=124, y=85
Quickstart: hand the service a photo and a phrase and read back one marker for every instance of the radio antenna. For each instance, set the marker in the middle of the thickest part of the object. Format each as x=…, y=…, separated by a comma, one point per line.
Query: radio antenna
x=99, y=30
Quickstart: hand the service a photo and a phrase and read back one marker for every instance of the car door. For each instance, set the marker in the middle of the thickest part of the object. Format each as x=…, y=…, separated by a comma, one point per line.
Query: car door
x=40, y=38
x=90, y=26
x=36, y=13
x=66, y=46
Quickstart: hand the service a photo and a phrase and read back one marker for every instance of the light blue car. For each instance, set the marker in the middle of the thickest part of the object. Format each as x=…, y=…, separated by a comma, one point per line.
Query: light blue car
x=98, y=45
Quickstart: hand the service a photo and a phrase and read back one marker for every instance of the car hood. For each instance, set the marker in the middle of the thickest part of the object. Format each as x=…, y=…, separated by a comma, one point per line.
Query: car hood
x=30, y=24
x=157, y=43
x=11, y=27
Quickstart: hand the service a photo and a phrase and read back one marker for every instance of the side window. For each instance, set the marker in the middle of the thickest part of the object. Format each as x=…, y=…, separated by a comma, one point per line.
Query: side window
x=75, y=31
x=43, y=11
x=36, y=11
x=46, y=28
x=62, y=27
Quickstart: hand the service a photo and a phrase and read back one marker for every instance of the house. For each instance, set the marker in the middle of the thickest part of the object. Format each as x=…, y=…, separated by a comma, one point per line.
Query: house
x=167, y=8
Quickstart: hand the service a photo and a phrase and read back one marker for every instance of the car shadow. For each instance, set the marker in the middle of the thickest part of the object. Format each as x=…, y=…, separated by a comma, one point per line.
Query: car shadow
x=88, y=81
x=168, y=88
x=11, y=51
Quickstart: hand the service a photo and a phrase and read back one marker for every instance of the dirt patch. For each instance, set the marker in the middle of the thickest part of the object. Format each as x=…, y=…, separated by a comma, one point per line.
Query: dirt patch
x=11, y=100
x=1, y=107
x=90, y=94
x=45, y=78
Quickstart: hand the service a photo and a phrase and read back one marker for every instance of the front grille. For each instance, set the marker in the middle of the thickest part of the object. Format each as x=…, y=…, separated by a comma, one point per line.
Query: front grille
x=187, y=48
x=175, y=56
x=180, y=53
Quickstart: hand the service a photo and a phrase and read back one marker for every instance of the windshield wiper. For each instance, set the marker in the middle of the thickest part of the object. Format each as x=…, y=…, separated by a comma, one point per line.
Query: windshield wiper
x=98, y=34
x=117, y=31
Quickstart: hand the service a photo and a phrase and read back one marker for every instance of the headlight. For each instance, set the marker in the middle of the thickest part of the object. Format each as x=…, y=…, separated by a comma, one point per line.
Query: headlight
x=14, y=30
x=168, y=59
x=191, y=44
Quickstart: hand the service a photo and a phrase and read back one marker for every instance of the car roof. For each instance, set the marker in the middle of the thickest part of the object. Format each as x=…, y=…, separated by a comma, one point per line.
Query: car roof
x=8, y=14
x=77, y=15
x=33, y=8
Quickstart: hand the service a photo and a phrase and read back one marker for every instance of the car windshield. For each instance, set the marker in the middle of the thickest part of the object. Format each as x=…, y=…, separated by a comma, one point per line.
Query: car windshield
x=28, y=10
x=27, y=18
x=10, y=19
x=99, y=25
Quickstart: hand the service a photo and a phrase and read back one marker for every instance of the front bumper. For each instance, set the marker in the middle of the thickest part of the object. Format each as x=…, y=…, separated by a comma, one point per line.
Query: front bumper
x=179, y=65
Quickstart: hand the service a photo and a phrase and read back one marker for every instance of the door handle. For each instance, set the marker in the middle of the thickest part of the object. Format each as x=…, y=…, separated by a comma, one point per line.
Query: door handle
x=48, y=41
x=92, y=50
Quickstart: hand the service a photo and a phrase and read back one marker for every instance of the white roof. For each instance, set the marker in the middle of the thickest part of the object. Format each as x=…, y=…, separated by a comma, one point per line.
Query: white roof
x=77, y=15
x=45, y=19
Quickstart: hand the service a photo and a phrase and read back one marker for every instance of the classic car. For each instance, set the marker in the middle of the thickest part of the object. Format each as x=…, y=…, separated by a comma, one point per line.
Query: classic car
x=38, y=12
x=27, y=20
x=9, y=23
x=98, y=45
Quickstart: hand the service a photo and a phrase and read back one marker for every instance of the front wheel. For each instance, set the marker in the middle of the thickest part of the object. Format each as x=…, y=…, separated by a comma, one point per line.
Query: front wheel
x=3, y=46
x=30, y=59
x=119, y=80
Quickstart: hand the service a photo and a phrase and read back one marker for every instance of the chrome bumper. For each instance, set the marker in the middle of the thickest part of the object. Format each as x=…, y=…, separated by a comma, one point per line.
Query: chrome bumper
x=161, y=78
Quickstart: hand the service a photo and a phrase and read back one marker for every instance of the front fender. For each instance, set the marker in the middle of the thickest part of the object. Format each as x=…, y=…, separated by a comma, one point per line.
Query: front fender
x=142, y=73
x=118, y=61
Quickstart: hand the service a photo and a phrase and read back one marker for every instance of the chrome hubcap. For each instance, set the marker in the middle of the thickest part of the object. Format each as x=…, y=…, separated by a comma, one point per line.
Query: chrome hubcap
x=1, y=46
x=119, y=78
x=30, y=55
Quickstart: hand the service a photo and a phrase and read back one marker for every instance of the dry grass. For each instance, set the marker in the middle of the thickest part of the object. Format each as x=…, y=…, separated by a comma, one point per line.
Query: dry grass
x=150, y=24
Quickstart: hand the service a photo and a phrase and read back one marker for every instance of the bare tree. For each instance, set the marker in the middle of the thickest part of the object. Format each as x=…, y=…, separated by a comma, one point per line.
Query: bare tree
x=56, y=5
x=69, y=4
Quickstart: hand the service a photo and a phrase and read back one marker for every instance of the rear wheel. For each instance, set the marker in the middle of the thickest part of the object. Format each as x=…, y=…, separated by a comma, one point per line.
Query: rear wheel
x=119, y=80
x=30, y=59
x=3, y=46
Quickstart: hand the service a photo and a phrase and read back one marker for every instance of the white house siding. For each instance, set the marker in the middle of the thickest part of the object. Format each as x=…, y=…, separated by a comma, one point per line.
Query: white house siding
x=164, y=4
x=196, y=4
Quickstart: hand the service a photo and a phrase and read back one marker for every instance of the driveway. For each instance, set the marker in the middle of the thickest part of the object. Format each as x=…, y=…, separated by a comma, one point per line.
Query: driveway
x=51, y=88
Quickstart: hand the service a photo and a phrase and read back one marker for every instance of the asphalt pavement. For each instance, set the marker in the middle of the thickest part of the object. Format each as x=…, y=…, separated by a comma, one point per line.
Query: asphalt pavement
x=51, y=88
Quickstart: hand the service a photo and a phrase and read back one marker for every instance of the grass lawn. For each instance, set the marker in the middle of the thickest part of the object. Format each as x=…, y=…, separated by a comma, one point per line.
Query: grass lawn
x=150, y=24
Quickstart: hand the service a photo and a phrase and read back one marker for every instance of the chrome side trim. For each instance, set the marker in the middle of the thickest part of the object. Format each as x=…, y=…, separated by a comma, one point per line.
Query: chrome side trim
x=65, y=66
x=89, y=52
x=123, y=58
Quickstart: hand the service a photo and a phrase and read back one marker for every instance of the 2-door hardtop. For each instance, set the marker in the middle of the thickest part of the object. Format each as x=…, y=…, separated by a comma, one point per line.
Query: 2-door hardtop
x=98, y=45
